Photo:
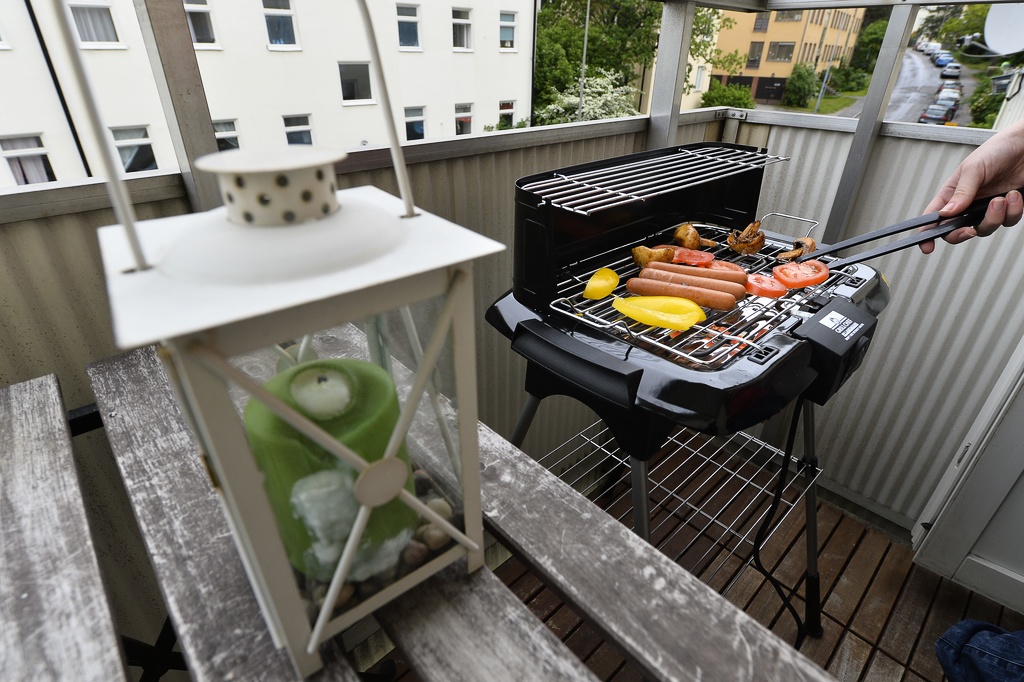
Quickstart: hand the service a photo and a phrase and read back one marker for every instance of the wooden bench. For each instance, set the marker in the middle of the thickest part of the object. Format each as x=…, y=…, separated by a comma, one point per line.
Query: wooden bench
x=55, y=622
x=453, y=628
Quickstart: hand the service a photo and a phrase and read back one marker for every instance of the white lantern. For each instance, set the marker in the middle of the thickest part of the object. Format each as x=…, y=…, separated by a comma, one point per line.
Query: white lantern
x=321, y=457
x=317, y=480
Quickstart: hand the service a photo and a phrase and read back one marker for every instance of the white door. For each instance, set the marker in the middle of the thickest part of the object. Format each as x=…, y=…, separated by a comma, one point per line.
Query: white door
x=972, y=529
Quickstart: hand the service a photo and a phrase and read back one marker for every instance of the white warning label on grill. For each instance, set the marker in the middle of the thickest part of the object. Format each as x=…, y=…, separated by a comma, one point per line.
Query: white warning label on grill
x=841, y=324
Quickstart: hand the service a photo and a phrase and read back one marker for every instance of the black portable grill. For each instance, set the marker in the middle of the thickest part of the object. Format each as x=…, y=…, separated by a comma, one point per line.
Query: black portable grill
x=730, y=372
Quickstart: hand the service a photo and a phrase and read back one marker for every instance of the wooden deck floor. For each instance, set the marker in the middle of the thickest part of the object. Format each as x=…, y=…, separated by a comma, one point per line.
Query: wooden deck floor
x=881, y=613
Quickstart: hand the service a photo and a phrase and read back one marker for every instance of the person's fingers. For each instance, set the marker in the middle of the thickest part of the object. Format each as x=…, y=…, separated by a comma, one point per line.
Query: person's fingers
x=927, y=247
x=1014, y=208
x=971, y=178
x=995, y=214
x=959, y=236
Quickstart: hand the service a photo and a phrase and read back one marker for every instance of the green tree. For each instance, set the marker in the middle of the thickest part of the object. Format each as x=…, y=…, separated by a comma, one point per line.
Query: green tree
x=801, y=85
x=622, y=40
x=984, y=104
x=737, y=96
x=970, y=21
x=869, y=42
x=932, y=24
x=604, y=98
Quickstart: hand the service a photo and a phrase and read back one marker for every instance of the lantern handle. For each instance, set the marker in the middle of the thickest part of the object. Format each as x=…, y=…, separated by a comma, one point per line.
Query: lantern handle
x=397, y=156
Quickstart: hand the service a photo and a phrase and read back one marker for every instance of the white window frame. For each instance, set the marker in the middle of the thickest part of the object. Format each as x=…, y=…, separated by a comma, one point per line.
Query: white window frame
x=369, y=84
x=413, y=118
x=195, y=8
x=298, y=127
x=466, y=113
x=96, y=44
x=700, y=77
x=466, y=22
x=512, y=24
x=409, y=19
x=23, y=152
x=227, y=129
x=137, y=141
x=290, y=13
x=509, y=111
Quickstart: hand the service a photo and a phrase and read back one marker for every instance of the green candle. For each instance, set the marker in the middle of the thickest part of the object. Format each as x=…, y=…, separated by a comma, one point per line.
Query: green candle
x=310, y=490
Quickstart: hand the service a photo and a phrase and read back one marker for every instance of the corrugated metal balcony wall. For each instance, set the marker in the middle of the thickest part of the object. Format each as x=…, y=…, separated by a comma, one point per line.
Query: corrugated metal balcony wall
x=884, y=440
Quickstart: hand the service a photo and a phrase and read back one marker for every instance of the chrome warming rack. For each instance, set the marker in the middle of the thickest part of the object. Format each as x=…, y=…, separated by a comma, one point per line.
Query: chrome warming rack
x=590, y=191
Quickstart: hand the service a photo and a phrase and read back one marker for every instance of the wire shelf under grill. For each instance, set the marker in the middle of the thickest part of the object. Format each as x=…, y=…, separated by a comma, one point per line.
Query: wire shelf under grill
x=595, y=190
x=724, y=335
x=708, y=495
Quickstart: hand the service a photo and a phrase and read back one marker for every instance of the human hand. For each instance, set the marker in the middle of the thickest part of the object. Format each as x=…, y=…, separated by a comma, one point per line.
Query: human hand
x=996, y=166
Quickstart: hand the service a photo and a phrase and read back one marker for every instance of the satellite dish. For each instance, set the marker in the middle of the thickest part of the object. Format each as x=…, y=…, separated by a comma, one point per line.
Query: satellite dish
x=1003, y=28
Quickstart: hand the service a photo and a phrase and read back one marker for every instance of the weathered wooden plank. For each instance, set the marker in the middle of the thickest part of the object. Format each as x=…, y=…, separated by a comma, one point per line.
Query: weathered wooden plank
x=666, y=621
x=470, y=628
x=204, y=581
x=854, y=580
x=219, y=625
x=900, y=634
x=55, y=622
x=881, y=596
x=850, y=658
x=947, y=609
x=884, y=668
x=982, y=608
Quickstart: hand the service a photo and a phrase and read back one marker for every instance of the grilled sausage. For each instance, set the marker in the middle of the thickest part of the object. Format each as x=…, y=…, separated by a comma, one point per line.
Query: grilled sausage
x=706, y=298
x=738, y=291
x=727, y=275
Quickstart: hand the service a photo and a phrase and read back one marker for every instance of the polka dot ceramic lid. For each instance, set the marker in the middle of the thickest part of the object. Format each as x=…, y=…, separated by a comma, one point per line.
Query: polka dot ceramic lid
x=271, y=188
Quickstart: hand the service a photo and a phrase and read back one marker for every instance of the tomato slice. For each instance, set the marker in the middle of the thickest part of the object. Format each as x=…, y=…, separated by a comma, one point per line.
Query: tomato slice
x=689, y=256
x=765, y=285
x=796, y=275
x=724, y=265
x=692, y=257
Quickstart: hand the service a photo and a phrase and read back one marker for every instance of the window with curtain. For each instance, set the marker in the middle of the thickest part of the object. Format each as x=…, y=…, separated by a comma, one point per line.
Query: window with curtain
x=200, y=24
x=280, y=20
x=94, y=22
x=506, y=30
x=135, y=149
x=27, y=158
x=461, y=29
x=780, y=52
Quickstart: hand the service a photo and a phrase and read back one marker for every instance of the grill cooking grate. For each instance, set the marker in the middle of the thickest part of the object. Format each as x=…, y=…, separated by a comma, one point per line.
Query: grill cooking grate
x=724, y=335
x=596, y=190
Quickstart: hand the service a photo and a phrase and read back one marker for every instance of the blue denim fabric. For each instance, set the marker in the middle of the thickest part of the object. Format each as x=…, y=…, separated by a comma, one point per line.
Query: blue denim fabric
x=972, y=651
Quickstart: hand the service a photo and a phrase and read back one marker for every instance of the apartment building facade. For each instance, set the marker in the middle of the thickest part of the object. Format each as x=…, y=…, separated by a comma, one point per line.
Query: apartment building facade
x=275, y=72
x=774, y=42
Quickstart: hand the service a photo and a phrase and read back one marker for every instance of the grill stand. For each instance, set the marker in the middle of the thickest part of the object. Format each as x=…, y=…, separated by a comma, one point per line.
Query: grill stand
x=541, y=384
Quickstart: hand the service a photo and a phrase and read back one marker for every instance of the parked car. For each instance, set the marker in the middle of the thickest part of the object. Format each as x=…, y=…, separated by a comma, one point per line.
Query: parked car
x=931, y=48
x=951, y=70
x=954, y=86
x=920, y=45
x=950, y=103
x=943, y=60
x=935, y=113
x=939, y=53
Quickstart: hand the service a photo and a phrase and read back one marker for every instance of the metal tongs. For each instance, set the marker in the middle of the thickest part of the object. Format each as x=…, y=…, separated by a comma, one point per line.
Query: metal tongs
x=940, y=228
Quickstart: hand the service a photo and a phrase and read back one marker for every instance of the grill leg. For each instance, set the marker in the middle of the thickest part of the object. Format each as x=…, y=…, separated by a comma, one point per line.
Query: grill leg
x=641, y=498
x=812, y=612
x=526, y=416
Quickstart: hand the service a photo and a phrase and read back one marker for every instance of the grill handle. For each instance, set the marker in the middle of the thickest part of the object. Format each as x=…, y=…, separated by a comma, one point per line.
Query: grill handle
x=576, y=363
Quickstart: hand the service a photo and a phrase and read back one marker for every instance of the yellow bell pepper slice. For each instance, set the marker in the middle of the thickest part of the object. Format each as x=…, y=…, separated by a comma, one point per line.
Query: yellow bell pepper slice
x=670, y=312
x=601, y=283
